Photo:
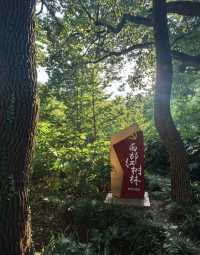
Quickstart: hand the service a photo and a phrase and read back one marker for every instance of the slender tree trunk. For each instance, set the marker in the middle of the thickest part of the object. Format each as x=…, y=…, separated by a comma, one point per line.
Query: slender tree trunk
x=181, y=189
x=93, y=81
x=18, y=109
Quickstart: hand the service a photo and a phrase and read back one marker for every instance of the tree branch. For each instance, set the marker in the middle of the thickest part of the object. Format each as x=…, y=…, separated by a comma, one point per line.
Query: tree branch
x=185, y=35
x=124, y=20
x=52, y=13
x=86, y=11
x=122, y=52
x=184, y=8
x=187, y=60
x=180, y=7
x=41, y=8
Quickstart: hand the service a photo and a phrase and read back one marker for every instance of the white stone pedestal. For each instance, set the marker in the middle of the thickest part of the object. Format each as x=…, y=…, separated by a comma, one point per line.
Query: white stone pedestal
x=128, y=201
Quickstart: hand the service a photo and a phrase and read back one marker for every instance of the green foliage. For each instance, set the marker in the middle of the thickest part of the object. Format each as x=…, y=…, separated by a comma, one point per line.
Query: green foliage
x=196, y=192
x=158, y=186
x=182, y=231
x=74, y=135
x=78, y=118
x=185, y=103
x=68, y=245
x=110, y=230
x=101, y=241
x=180, y=246
x=188, y=219
x=156, y=157
x=98, y=228
x=191, y=224
x=193, y=149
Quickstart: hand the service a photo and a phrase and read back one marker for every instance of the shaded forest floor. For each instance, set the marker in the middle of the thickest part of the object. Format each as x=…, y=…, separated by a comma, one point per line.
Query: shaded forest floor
x=51, y=218
x=169, y=228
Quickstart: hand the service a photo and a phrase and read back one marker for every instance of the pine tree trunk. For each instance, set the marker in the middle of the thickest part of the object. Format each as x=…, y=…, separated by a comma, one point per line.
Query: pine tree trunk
x=181, y=189
x=18, y=110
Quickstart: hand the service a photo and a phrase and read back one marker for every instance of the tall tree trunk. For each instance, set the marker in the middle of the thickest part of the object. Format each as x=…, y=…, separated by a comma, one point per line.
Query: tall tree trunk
x=94, y=123
x=180, y=182
x=18, y=110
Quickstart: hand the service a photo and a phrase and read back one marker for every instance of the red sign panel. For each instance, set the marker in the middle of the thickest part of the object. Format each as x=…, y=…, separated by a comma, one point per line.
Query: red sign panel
x=130, y=153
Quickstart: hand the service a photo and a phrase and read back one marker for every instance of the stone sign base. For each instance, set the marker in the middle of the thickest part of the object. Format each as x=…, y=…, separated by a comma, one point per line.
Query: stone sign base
x=132, y=202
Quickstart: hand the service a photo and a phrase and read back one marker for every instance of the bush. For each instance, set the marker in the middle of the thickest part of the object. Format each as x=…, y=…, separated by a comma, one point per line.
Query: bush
x=67, y=246
x=187, y=218
x=193, y=150
x=141, y=239
x=175, y=242
x=97, y=228
x=156, y=157
x=85, y=176
x=113, y=229
x=196, y=192
x=159, y=187
x=177, y=245
x=176, y=212
x=96, y=213
x=191, y=225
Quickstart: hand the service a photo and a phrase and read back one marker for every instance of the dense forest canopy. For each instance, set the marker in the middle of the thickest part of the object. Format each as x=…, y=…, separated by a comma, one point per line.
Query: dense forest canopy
x=110, y=33
x=87, y=43
x=85, y=47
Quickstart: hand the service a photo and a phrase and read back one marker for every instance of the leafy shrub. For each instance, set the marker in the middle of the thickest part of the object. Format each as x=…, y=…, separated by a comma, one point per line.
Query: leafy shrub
x=158, y=186
x=176, y=212
x=175, y=242
x=196, y=192
x=96, y=213
x=144, y=238
x=68, y=245
x=191, y=225
x=156, y=157
x=187, y=218
x=79, y=173
x=193, y=149
x=176, y=245
x=114, y=229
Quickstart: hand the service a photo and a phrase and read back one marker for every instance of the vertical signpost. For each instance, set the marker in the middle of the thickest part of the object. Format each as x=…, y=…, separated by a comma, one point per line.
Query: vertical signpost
x=127, y=176
x=130, y=153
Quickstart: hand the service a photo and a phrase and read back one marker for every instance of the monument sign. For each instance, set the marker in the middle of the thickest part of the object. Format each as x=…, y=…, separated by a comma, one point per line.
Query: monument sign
x=127, y=160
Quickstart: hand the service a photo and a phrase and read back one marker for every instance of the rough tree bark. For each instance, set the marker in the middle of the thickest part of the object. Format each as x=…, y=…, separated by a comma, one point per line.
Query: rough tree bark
x=18, y=110
x=181, y=189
